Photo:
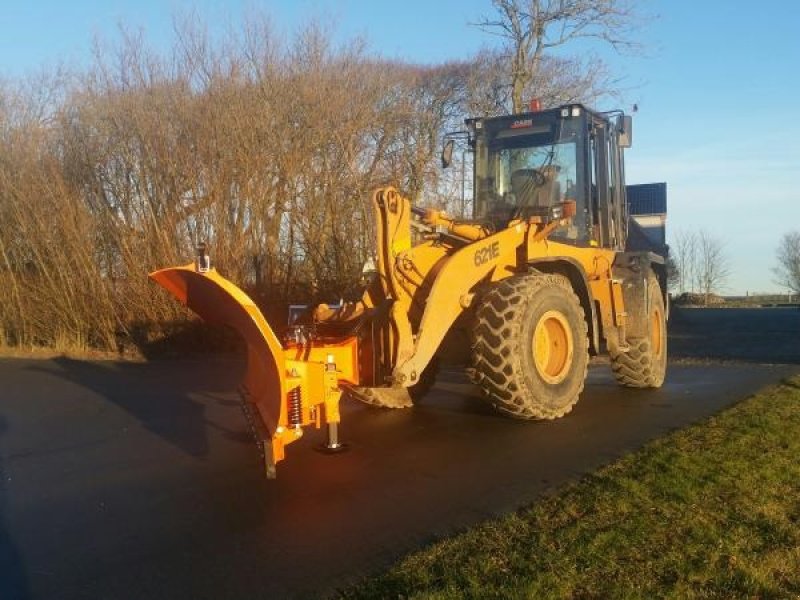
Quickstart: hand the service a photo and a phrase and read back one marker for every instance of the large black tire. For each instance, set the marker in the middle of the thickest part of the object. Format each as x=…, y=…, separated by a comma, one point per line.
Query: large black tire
x=515, y=318
x=644, y=365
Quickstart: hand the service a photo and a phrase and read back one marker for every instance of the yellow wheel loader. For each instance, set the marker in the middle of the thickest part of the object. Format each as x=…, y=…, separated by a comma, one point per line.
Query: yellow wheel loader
x=538, y=280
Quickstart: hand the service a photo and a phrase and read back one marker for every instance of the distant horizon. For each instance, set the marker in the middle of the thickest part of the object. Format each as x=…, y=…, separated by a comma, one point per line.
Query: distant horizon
x=746, y=295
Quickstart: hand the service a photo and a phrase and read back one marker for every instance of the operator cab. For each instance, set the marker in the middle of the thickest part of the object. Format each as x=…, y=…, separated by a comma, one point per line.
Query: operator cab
x=526, y=164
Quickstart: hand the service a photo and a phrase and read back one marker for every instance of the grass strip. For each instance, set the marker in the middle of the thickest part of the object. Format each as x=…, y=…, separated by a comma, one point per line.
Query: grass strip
x=712, y=511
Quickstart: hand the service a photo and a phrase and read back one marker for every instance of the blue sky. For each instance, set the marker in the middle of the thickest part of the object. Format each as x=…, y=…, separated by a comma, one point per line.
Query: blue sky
x=717, y=92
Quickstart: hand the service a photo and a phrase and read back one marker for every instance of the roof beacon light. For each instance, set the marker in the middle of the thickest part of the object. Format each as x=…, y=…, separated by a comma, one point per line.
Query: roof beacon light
x=536, y=105
x=576, y=111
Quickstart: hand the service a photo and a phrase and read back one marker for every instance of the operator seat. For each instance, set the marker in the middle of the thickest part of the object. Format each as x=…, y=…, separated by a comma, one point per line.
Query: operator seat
x=535, y=188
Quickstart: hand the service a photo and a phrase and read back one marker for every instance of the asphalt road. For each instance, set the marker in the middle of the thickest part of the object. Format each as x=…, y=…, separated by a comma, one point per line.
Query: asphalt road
x=125, y=480
x=765, y=335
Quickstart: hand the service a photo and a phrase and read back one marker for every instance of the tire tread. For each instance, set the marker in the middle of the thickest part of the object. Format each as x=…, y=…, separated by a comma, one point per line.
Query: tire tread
x=496, y=362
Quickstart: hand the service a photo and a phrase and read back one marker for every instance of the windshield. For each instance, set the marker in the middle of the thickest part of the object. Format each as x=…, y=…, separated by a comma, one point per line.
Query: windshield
x=537, y=176
x=524, y=172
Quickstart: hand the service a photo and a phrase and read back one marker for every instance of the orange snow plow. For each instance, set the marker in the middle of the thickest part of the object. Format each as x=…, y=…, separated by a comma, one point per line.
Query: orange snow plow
x=284, y=389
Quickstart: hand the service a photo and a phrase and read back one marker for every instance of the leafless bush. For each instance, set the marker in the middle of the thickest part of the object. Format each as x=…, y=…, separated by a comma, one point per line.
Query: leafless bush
x=787, y=271
x=265, y=148
x=701, y=262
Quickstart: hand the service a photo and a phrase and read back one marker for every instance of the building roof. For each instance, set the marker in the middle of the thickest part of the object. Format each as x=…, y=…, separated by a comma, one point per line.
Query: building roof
x=647, y=199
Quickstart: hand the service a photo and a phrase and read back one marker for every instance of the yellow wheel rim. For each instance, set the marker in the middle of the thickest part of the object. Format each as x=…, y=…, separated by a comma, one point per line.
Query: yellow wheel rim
x=552, y=347
x=656, y=333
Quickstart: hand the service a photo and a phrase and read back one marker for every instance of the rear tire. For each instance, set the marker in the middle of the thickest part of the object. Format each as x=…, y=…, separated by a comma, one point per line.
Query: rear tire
x=644, y=365
x=530, y=352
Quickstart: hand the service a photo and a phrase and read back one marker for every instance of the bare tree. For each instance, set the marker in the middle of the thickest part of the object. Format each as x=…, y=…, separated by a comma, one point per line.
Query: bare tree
x=559, y=80
x=684, y=251
x=787, y=271
x=673, y=275
x=700, y=262
x=711, y=269
x=532, y=28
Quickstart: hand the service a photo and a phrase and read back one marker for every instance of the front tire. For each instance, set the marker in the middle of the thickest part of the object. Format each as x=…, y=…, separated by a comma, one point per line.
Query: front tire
x=530, y=353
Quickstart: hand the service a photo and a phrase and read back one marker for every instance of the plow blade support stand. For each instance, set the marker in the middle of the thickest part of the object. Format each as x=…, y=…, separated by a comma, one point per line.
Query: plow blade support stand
x=216, y=300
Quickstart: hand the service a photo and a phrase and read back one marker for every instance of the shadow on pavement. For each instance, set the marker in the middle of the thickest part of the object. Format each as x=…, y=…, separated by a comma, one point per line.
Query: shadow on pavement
x=182, y=339
x=13, y=579
x=156, y=395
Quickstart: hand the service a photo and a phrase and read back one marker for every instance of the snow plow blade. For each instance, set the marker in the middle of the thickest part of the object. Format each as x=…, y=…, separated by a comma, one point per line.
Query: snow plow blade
x=216, y=300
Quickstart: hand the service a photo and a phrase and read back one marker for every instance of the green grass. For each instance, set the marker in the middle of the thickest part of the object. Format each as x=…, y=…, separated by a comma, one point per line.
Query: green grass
x=712, y=511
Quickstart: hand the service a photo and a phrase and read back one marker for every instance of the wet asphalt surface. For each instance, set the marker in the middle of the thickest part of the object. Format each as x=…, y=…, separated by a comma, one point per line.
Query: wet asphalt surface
x=124, y=480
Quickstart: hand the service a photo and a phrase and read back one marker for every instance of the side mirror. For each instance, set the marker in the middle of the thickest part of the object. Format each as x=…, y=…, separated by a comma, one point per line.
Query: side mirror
x=447, y=153
x=625, y=128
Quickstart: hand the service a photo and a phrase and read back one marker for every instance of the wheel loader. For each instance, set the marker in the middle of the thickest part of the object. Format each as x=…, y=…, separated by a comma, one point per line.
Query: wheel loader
x=538, y=280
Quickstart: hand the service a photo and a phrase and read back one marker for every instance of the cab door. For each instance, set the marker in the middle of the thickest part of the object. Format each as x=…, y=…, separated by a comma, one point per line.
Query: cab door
x=607, y=189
